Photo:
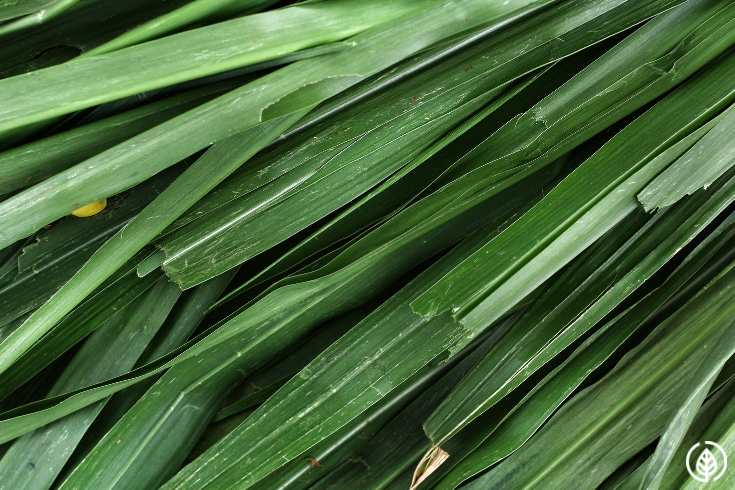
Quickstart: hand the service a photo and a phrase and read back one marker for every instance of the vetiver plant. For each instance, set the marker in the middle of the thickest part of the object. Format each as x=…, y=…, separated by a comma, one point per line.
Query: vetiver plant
x=367, y=244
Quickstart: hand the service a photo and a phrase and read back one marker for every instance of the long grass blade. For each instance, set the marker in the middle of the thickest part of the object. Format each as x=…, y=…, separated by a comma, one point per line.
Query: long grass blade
x=35, y=460
x=303, y=85
x=188, y=188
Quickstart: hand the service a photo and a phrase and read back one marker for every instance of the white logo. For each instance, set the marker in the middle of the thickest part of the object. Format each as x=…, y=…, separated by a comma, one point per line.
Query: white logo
x=710, y=464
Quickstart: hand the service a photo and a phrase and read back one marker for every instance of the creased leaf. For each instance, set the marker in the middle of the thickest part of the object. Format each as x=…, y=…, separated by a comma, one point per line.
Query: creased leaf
x=647, y=388
x=35, y=460
x=132, y=161
x=705, y=161
x=188, y=188
x=603, y=191
x=44, y=94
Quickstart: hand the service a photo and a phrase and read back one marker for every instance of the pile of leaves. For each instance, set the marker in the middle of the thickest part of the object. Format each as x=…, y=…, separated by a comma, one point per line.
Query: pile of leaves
x=365, y=244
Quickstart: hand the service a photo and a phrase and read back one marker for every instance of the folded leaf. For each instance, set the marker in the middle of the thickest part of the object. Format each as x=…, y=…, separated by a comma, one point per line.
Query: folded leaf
x=30, y=163
x=399, y=444
x=264, y=382
x=643, y=66
x=104, y=305
x=584, y=206
x=35, y=460
x=56, y=254
x=612, y=420
x=324, y=458
x=188, y=13
x=572, y=305
x=496, y=434
x=316, y=392
x=331, y=168
x=707, y=159
x=386, y=199
x=304, y=84
x=44, y=94
x=188, y=314
x=184, y=191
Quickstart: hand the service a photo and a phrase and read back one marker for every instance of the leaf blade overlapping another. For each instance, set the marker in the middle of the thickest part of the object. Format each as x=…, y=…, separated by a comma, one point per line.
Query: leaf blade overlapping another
x=196, y=246
x=181, y=194
x=501, y=438
x=44, y=94
x=356, y=161
x=430, y=244
x=654, y=379
x=713, y=96
x=294, y=88
x=120, y=344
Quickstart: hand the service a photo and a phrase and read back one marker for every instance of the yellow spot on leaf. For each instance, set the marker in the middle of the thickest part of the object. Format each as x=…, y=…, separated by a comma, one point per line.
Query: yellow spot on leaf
x=90, y=209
